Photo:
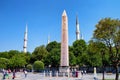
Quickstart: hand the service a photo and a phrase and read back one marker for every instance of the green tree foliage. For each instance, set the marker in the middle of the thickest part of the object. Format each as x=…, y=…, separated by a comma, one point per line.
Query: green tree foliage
x=79, y=48
x=94, y=54
x=3, y=63
x=52, y=45
x=108, y=32
x=29, y=67
x=39, y=53
x=38, y=65
x=11, y=53
x=53, y=58
x=72, y=59
x=26, y=56
x=15, y=58
x=17, y=61
x=84, y=59
x=4, y=54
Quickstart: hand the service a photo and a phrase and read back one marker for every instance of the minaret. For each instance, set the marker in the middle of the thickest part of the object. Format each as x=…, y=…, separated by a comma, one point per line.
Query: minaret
x=77, y=29
x=48, y=41
x=64, y=63
x=25, y=40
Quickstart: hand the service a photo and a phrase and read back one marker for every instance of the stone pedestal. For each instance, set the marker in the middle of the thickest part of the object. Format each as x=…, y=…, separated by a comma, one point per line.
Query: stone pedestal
x=64, y=70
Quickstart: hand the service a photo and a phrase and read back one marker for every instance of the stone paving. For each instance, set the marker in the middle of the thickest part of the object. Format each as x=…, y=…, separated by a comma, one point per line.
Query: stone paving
x=40, y=76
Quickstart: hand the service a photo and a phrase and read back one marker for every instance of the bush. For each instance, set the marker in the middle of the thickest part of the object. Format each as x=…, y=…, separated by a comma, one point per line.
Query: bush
x=29, y=67
x=38, y=66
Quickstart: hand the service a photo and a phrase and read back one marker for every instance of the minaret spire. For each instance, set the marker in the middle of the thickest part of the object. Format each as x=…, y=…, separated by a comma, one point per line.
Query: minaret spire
x=25, y=40
x=77, y=29
x=48, y=41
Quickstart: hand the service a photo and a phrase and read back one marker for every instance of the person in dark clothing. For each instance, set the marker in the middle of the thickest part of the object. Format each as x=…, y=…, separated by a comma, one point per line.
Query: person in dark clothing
x=13, y=74
x=4, y=74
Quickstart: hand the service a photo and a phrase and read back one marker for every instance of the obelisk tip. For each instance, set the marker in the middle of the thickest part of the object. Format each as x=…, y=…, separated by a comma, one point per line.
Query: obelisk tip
x=64, y=13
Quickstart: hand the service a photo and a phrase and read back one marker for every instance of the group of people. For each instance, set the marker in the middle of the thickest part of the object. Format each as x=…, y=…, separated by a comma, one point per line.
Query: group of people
x=7, y=72
x=75, y=72
x=83, y=72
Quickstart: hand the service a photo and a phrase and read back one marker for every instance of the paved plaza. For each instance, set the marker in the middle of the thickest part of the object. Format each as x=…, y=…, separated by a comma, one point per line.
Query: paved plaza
x=40, y=76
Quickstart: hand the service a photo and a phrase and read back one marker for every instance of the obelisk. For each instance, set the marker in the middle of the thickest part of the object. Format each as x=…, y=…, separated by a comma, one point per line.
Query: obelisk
x=64, y=63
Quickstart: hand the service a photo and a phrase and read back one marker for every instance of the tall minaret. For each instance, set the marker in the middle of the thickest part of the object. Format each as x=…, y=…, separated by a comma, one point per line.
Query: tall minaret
x=64, y=62
x=48, y=41
x=77, y=29
x=25, y=40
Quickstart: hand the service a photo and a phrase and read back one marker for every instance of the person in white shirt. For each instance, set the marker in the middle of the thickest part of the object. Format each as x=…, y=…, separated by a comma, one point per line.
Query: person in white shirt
x=25, y=72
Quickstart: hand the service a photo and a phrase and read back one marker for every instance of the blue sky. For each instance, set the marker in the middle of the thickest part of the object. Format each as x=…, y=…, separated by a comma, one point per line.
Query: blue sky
x=43, y=18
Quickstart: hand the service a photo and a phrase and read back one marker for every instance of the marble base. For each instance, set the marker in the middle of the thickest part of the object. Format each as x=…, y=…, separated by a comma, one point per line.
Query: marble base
x=64, y=70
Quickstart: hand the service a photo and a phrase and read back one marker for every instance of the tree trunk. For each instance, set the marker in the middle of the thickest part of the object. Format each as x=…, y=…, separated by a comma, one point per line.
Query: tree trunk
x=117, y=72
x=103, y=78
x=103, y=66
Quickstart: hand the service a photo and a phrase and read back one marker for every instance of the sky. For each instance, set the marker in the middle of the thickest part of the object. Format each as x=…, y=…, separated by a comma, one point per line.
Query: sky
x=43, y=18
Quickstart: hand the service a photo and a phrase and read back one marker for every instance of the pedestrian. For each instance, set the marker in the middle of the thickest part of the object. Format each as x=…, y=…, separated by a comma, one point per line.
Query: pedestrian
x=13, y=74
x=85, y=72
x=82, y=72
x=7, y=74
x=3, y=74
x=9, y=71
x=25, y=72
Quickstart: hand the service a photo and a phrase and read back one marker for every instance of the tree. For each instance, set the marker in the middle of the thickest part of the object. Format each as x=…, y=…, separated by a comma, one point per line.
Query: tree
x=72, y=59
x=53, y=58
x=11, y=53
x=108, y=32
x=26, y=56
x=4, y=63
x=52, y=45
x=4, y=54
x=17, y=61
x=98, y=53
x=29, y=67
x=95, y=50
x=79, y=48
x=39, y=53
x=38, y=65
